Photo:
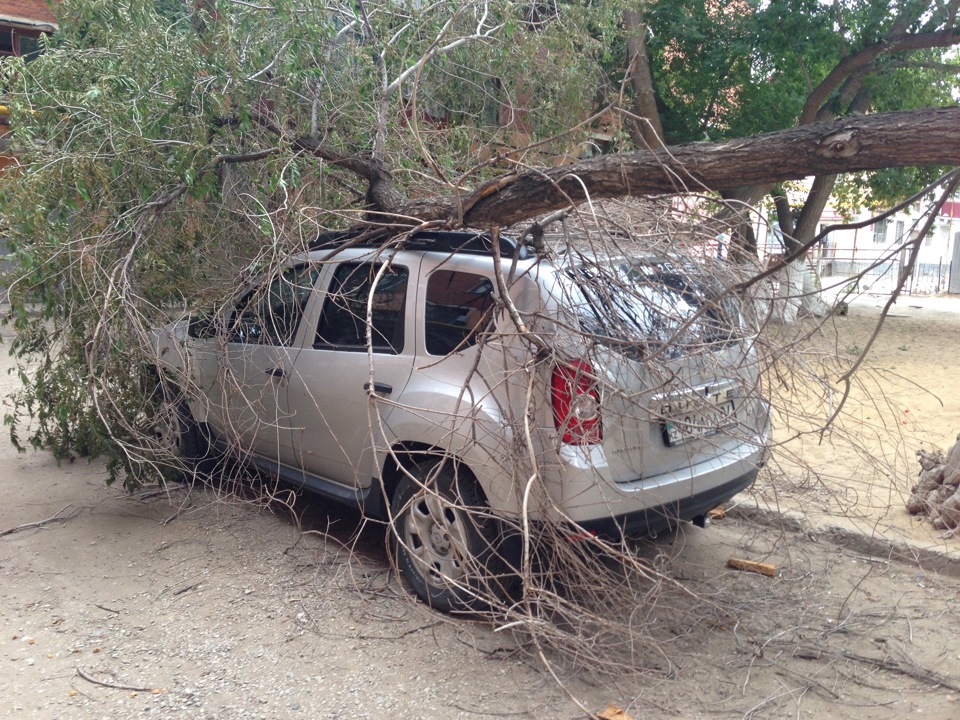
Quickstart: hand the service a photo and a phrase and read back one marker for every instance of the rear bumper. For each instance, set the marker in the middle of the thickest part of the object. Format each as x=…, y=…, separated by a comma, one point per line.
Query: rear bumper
x=663, y=517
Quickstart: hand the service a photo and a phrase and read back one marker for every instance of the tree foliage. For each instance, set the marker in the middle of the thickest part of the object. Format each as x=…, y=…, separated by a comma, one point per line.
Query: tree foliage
x=733, y=68
x=738, y=67
x=169, y=150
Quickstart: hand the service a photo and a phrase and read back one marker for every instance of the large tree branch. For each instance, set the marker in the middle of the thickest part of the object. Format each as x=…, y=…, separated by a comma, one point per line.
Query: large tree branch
x=822, y=187
x=181, y=189
x=896, y=139
x=855, y=143
x=858, y=61
x=364, y=166
x=381, y=195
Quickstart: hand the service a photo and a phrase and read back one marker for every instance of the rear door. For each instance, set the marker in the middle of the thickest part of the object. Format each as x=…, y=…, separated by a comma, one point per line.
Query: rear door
x=362, y=338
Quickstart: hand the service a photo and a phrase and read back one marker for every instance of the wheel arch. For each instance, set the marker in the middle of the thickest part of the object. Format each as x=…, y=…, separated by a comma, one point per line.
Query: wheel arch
x=403, y=456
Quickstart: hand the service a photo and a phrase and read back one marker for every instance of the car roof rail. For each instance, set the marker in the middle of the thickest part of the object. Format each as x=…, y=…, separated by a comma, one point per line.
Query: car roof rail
x=452, y=242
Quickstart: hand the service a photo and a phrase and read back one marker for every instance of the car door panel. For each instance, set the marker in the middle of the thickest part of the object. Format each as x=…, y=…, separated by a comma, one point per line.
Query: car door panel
x=258, y=359
x=337, y=421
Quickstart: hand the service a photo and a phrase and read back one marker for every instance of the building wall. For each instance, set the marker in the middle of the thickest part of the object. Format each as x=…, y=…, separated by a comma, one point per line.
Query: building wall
x=880, y=251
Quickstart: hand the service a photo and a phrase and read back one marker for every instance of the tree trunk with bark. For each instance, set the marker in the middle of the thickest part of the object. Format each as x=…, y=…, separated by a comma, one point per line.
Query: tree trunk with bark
x=868, y=142
x=647, y=131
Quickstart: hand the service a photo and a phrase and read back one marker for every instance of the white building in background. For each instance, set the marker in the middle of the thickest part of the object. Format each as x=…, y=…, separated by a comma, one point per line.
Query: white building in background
x=878, y=251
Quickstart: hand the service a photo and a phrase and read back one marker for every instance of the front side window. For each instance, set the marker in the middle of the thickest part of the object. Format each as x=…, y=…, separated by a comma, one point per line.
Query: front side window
x=459, y=306
x=271, y=314
x=344, y=320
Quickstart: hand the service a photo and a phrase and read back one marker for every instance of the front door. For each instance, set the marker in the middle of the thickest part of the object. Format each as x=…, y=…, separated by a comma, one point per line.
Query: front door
x=259, y=354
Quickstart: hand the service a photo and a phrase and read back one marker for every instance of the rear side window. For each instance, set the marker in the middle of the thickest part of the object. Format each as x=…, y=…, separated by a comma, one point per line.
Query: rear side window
x=343, y=321
x=459, y=306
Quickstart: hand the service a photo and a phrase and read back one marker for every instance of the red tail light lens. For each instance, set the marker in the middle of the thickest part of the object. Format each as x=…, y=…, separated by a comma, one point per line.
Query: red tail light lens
x=576, y=403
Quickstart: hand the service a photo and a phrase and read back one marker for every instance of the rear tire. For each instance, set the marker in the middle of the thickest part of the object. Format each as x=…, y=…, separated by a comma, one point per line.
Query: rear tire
x=447, y=546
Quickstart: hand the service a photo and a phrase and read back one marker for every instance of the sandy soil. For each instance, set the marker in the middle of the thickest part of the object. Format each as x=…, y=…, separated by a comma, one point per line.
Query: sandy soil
x=906, y=396
x=197, y=606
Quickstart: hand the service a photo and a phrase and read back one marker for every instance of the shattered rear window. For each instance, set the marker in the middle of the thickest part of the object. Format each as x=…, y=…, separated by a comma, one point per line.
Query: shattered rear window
x=646, y=307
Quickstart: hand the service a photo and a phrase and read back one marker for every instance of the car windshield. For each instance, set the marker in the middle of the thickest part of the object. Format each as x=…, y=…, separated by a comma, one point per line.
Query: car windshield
x=649, y=306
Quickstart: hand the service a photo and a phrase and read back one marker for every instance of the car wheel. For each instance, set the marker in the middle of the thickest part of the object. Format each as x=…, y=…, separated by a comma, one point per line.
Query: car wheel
x=447, y=546
x=175, y=435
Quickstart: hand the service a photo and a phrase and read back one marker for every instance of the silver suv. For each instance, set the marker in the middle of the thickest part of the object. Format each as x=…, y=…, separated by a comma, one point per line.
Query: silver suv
x=612, y=395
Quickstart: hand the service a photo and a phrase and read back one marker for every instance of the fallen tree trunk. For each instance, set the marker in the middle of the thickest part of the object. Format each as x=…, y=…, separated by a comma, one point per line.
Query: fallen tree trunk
x=862, y=142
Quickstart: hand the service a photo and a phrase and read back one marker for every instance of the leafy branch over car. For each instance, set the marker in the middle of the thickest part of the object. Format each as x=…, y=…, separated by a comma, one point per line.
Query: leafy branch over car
x=178, y=155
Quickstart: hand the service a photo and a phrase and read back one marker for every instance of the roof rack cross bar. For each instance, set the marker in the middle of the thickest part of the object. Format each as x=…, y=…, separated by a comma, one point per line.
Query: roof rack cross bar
x=446, y=241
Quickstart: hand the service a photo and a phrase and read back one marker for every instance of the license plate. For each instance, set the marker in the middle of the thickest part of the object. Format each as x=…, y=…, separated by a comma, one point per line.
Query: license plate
x=697, y=414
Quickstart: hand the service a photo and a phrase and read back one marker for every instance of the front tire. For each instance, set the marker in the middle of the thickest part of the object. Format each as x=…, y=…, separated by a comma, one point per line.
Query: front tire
x=447, y=546
x=176, y=437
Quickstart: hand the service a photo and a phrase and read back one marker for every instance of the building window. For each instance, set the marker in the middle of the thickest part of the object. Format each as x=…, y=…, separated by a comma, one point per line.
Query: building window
x=22, y=43
x=880, y=232
x=29, y=46
x=899, y=232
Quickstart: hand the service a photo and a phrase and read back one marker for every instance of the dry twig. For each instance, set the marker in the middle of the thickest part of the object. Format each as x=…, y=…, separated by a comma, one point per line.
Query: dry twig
x=908, y=669
x=113, y=686
x=41, y=523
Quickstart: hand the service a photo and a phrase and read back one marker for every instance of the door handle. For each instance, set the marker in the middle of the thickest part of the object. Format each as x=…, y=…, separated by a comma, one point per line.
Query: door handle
x=379, y=387
x=275, y=372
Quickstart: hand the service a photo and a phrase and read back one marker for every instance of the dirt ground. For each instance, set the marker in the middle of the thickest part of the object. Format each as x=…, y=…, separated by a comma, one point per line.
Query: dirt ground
x=906, y=396
x=189, y=605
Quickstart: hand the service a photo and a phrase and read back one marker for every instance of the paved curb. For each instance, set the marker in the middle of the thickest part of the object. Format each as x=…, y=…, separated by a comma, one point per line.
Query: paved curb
x=943, y=560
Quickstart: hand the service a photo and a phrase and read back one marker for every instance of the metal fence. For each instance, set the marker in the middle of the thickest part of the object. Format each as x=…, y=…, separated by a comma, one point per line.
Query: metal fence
x=925, y=279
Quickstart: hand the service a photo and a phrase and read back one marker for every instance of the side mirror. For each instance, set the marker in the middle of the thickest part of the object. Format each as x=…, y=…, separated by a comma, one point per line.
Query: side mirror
x=203, y=326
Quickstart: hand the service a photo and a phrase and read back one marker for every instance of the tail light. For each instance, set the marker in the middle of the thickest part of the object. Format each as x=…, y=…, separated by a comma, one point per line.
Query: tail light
x=576, y=403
